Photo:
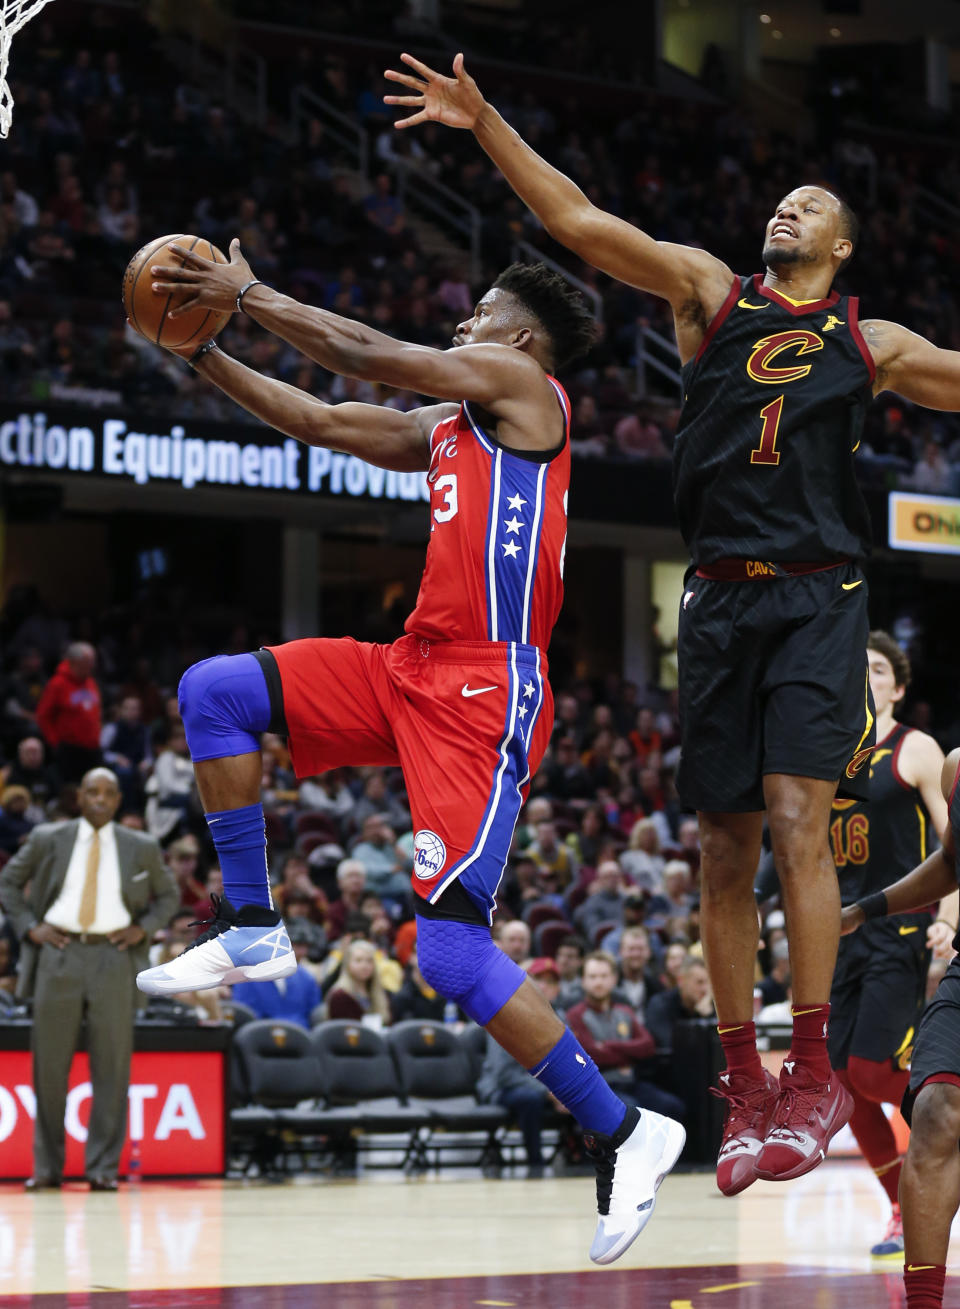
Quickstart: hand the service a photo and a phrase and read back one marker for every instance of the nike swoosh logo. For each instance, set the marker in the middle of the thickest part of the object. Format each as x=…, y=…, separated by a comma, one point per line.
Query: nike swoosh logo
x=479, y=690
x=745, y=304
x=138, y=877
x=850, y=586
x=905, y=931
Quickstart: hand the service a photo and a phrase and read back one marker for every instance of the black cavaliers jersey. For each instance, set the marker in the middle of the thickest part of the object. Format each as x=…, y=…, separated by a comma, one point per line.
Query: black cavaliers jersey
x=953, y=813
x=774, y=403
x=875, y=844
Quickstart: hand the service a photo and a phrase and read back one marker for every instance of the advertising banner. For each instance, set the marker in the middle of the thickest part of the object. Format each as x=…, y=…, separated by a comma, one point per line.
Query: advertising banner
x=175, y=1110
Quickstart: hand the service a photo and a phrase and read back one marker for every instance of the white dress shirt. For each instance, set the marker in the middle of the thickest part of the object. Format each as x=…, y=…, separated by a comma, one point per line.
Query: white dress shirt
x=112, y=913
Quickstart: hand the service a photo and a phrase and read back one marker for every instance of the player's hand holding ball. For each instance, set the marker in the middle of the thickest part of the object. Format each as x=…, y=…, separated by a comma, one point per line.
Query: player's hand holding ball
x=179, y=291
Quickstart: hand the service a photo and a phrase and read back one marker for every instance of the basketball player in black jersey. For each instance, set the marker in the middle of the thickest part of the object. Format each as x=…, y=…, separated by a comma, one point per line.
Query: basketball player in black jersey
x=880, y=980
x=930, y=1180
x=775, y=705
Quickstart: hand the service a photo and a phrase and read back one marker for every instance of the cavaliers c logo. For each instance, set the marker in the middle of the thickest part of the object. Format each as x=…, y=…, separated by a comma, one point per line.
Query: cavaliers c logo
x=858, y=760
x=767, y=349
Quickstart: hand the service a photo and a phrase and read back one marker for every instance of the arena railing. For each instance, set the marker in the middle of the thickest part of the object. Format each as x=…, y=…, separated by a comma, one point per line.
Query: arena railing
x=350, y=135
x=530, y=254
x=658, y=353
x=234, y=74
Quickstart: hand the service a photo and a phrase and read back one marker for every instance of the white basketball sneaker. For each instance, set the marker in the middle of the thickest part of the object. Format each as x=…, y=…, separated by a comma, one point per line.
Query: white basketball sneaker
x=251, y=945
x=630, y=1166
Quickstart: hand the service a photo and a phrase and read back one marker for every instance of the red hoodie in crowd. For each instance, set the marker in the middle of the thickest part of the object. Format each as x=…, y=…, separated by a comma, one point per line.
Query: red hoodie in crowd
x=69, y=709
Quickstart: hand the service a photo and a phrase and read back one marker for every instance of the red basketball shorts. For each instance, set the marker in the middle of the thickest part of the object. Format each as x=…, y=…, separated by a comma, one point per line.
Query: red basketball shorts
x=467, y=722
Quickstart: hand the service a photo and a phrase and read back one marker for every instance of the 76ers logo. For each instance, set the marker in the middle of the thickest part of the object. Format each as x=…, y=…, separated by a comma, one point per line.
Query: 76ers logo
x=760, y=364
x=429, y=855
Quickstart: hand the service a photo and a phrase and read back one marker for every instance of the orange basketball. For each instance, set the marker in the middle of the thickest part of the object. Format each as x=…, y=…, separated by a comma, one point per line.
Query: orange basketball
x=148, y=309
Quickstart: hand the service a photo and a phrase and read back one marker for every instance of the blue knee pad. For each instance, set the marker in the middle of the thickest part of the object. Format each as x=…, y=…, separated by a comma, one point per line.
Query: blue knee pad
x=461, y=961
x=223, y=702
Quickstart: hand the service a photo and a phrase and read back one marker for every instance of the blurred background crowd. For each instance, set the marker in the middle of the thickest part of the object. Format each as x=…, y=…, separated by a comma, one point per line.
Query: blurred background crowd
x=600, y=898
x=100, y=163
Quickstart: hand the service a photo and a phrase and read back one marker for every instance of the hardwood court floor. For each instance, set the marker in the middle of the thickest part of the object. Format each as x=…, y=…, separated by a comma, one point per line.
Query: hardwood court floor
x=445, y=1242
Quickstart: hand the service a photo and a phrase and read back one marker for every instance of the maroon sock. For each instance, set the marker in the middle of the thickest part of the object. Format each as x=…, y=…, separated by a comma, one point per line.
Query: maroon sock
x=924, y=1285
x=873, y=1084
x=739, y=1041
x=809, y=1045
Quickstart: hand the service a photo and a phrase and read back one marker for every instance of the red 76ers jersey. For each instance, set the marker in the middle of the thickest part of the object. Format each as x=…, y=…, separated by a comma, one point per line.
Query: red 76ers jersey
x=498, y=531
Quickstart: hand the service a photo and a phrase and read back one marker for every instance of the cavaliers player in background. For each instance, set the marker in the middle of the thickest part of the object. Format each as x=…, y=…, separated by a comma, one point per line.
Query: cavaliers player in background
x=930, y=1180
x=461, y=702
x=879, y=986
x=774, y=701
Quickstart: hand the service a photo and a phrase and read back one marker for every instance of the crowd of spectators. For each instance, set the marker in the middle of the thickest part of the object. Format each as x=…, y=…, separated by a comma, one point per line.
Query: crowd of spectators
x=599, y=900
x=99, y=162
x=600, y=897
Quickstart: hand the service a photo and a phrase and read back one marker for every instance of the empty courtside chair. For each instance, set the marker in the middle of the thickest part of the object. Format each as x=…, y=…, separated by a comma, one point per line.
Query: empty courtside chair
x=275, y=1068
x=363, y=1086
x=436, y=1074
x=237, y=1013
x=279, y=1063
x=474, y=1038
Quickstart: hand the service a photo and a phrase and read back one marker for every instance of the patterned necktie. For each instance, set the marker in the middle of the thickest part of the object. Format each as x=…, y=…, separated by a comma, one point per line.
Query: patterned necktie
x=88, y=898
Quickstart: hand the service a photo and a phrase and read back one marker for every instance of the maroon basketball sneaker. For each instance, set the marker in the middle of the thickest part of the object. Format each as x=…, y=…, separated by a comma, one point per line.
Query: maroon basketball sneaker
x=749, y=1106
x=807, y=1116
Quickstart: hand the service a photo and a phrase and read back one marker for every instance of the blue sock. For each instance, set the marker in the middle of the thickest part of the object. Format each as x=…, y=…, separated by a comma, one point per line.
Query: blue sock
x=573, y=1077
x=241, y=844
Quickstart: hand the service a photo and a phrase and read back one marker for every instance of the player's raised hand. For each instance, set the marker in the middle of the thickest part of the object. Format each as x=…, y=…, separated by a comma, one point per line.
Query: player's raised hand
x=850, y=919
x=455, y=100
x=204, y=283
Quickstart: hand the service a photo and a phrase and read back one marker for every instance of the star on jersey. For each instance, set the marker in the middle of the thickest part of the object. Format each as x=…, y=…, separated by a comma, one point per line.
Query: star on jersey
x=516, y=502
x=513, y=524
x=528, y=690
x=523, y=711
x=510, y=549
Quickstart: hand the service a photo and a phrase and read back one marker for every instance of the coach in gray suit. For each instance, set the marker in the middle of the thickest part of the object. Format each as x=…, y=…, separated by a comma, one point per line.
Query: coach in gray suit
x=85, y=898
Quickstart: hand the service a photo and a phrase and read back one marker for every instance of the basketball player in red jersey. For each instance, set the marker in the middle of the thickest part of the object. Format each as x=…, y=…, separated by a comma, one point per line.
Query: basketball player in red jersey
x=775, y=706
x=930, y=1180
x=879, y=987
x=461, y=702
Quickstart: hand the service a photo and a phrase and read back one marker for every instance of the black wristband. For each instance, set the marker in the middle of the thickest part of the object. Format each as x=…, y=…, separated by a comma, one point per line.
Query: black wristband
x=203, y=350
x=874, y=906
x=243, y=291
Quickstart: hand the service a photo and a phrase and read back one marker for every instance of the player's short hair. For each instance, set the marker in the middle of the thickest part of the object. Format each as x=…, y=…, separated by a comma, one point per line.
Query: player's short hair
x=560, y=310
x=849, y=228
x=884, y=644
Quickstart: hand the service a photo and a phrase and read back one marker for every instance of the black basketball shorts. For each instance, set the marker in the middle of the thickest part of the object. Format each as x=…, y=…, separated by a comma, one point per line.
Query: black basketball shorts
x=878, y=991
x=773, y=679
x=937, y=1047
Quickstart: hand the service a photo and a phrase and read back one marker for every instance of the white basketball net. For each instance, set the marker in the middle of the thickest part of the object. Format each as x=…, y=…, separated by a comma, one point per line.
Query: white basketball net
x=14, y=14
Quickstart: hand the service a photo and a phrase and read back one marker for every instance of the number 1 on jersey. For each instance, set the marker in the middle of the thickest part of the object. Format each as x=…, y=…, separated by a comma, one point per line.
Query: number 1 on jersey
x=767, y=452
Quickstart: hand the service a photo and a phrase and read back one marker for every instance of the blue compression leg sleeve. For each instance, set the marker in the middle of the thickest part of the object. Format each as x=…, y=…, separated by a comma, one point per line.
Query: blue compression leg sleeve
x=225, y=704
x=461, y=961
x=574, y=1078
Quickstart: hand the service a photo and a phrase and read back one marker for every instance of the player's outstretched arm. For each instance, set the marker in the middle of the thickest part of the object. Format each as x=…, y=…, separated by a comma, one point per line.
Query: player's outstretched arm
x=931, y=881
x=678, y=273
x=386, y=437
x=507, y=382
x=913, y=366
